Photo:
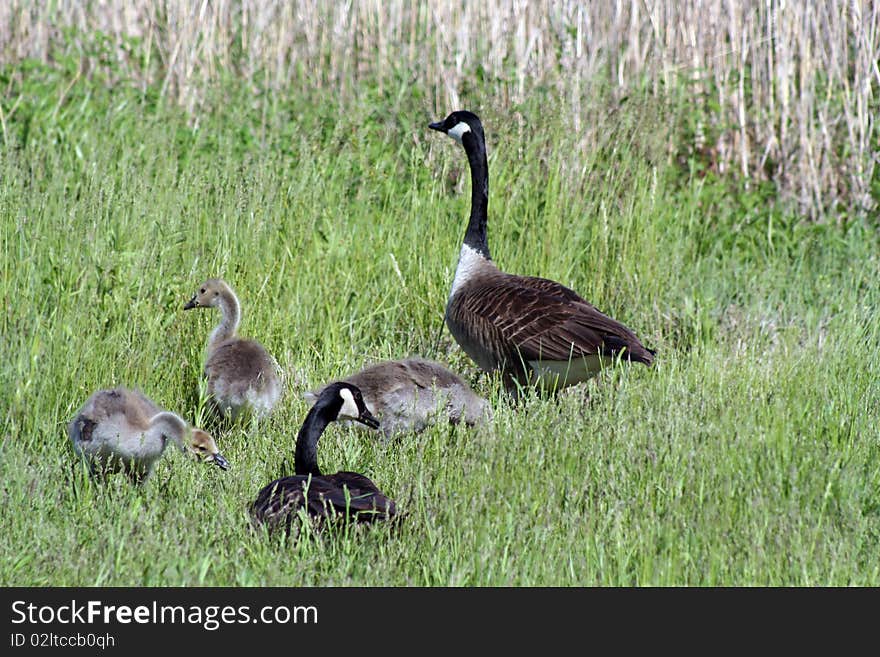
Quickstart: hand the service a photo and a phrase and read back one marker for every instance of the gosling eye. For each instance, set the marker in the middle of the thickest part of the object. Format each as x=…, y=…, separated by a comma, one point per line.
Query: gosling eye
x=202, y=291
x=216, y=294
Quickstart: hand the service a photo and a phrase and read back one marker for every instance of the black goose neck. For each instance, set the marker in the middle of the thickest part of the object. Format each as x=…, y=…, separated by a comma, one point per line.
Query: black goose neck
x=476, y=235
x=306, y=456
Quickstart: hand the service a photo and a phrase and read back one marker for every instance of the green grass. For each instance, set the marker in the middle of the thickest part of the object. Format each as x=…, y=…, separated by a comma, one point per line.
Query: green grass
x=748, y=455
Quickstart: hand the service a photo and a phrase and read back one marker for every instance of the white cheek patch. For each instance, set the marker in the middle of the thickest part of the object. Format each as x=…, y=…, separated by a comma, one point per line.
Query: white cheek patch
x=349, y=408
x=458, y=131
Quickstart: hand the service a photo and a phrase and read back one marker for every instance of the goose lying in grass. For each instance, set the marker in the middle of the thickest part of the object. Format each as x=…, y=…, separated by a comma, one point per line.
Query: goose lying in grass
x=410, y=394
x=240, y=373
x=534, y=330
x=344, y=493
x=122, y=430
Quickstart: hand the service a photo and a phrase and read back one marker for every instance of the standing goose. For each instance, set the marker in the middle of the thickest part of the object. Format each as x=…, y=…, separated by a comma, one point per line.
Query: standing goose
x=344, y=493
x=409, y=395
x=536, y=331
x=122, y=430
x=241, y=374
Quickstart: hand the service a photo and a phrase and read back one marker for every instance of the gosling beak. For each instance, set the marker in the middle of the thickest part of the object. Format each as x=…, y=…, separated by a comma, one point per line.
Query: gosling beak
x=220, y=461
x=192, y=303
x=437, y=126
x=368, y=419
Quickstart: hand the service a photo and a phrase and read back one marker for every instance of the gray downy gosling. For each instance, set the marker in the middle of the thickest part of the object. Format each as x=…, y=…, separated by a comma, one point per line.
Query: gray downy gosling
x=411, y=394
x=123, y=430
x=240, y=373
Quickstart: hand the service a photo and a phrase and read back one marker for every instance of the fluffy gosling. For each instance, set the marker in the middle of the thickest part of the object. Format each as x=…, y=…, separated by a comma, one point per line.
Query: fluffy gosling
x=411, y=394
x=123, y=430
x=240, y=373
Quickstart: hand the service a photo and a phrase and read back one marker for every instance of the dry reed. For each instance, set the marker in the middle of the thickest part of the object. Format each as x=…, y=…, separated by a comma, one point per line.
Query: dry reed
x=787, y=91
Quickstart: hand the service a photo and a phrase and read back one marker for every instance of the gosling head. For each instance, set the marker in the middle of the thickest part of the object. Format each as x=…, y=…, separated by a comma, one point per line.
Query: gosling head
x=459, y=124
x=203, y=447
x=208, y=295
x=346, y=400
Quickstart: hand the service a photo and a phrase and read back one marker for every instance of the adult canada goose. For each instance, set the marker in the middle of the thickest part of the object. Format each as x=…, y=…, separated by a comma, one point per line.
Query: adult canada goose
x=122, y=430
x=344, y=493
x=240, y=373
x=410, y=394
x=534, y=330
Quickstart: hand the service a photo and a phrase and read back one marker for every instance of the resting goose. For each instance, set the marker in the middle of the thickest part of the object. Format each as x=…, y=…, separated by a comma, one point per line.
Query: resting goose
x=240, y=373
x=410, y=394
x=535, y=331
x=343, y=493
x=122, y=430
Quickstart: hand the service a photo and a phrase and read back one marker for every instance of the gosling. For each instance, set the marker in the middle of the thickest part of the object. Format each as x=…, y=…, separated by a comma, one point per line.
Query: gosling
x=410, y=395
x=123, y=430
x=241, y=374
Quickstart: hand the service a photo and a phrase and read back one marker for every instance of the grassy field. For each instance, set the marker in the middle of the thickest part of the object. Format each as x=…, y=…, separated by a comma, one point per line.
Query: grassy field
x=749, y=455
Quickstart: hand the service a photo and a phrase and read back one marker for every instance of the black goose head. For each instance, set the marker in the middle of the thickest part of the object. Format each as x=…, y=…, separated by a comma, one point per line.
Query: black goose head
x=344, y=401
x=459, y=125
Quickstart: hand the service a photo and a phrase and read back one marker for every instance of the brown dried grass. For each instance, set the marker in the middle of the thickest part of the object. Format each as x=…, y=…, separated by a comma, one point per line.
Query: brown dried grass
x=786, y=91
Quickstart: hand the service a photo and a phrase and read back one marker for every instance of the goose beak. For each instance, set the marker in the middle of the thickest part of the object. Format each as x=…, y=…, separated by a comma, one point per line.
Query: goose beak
x=437, y=126
x=220, y=461
x=368, y=419
x=192, y=303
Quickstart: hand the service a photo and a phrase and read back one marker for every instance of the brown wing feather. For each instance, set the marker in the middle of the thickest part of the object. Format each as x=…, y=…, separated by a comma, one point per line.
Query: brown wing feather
x=540, y=319
x=363, y=499
x=480, y=322
x=322, y=496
